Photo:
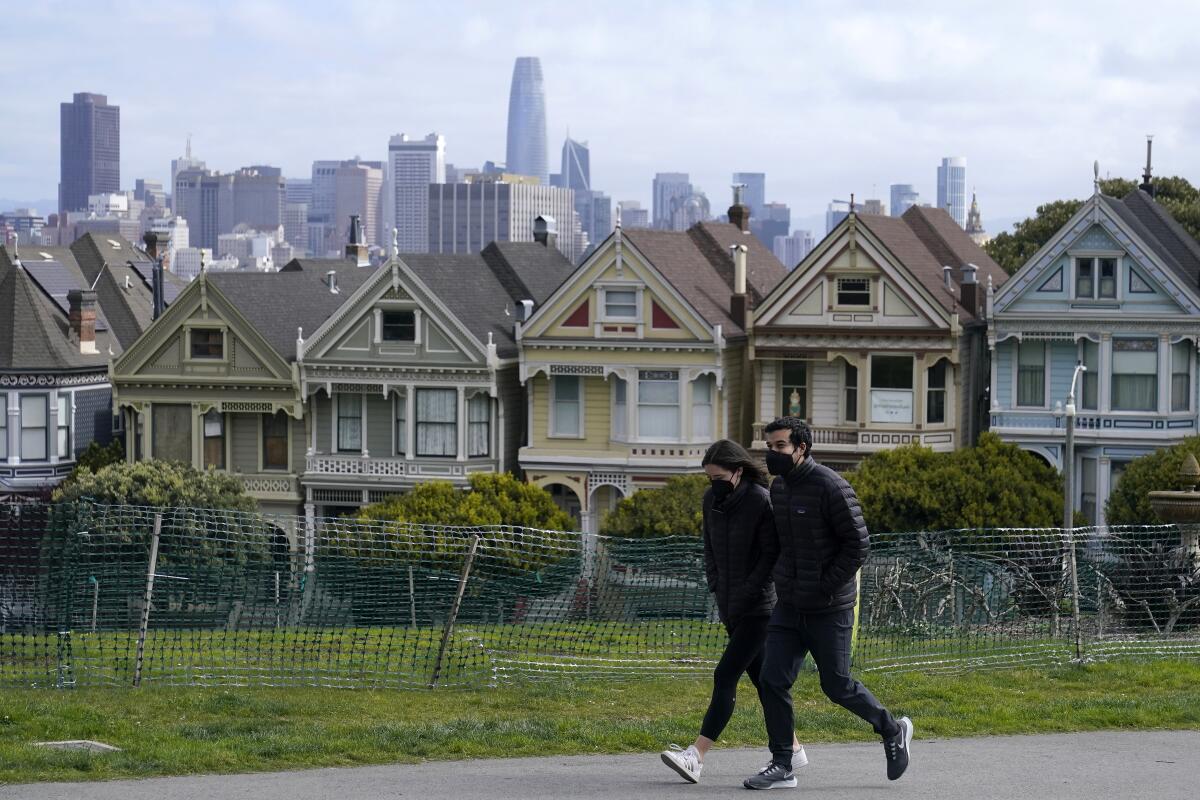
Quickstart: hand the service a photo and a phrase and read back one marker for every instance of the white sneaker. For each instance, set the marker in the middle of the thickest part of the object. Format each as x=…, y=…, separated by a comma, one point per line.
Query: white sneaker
x=799, y=757
x=685, y=762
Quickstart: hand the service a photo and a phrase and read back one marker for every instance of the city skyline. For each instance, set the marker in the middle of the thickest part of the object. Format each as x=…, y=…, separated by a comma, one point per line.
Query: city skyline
x=1028, y=140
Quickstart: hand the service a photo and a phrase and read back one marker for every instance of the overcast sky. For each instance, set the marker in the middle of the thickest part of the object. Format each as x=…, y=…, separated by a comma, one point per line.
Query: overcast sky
x=827, y=99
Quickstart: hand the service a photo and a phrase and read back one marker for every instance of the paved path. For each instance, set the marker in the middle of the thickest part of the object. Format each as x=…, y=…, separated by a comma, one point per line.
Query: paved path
x=1161, y=765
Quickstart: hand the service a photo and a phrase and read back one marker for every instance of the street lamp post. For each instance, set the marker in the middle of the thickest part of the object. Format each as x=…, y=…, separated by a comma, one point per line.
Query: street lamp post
x=1069, y=505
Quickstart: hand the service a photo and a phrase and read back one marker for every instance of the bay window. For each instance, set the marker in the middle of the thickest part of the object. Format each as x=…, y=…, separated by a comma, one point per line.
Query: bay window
x=620, y=415
x=1135, y=375
x=658, y=404
x=1090, y=356
x=275, y=441
x=34, y=434
x=479, y=431
x=401, y=402
x=702, y=407
x=1181, y=376
x=850, y=393
x=64, y=425
x=566, y=401
x=349, y=423
x=794, y=385
x=1031, y=374
x=892, y=389
x=935, y=394
x=214, y=439
x=437, y=422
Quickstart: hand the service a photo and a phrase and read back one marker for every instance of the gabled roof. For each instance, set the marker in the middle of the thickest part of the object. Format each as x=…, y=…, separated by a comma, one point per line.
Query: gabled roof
x=1159, y=230
x=123, y=292
x=925, y=240
x=698, y=264
x=277, y=303
x=484, y=291
x=34, y=329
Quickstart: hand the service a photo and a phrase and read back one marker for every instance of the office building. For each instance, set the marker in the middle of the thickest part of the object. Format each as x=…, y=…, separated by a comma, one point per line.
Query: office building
x=903, y=197
x=633, y=215
x=775, y=219
x=791, y=250
x=182, y=163
x=527, y=121
x=89, y=150
x=669, y=190
x=952, y=188
x=872, y=206
x=357, y=188
x=415, y=164
x=755, y=193
x=465, y=217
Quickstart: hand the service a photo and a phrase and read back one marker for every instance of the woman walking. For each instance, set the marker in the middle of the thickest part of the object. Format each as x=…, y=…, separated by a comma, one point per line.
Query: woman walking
x=740, y=548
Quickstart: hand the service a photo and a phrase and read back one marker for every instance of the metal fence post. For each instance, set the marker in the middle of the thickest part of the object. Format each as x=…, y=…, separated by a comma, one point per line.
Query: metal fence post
x=145, y=622
x=458, y=595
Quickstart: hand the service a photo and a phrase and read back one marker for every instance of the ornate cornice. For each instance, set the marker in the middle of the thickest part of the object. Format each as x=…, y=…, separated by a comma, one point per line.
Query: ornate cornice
x=861, y=342
x=49, y=381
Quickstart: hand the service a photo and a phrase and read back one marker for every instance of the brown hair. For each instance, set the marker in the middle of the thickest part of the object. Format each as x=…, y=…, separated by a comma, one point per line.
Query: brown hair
x=732, y=456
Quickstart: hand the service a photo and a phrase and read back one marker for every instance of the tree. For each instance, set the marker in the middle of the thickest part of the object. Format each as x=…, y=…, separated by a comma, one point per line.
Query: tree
x=675, y=509
x=98, y=456
x=1129, y=502
x=169, y=484
x=991, y=485
x=493, y=499
x=1012, y=250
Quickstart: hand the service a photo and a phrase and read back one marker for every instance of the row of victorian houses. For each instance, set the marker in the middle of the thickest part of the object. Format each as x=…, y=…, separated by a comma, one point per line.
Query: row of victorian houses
x=330, y=385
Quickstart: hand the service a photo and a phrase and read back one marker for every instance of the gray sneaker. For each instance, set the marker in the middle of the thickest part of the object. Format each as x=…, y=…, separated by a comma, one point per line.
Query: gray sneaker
x=896, y=749
x=773, y=776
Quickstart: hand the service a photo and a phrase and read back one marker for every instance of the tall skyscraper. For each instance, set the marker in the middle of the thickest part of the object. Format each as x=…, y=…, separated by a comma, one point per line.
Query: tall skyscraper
x=185, y=161
x=670, y=189
x=258, y=197
x=205, y=200
x=414, y=164
x=755, y=193
x=952, y=188
x=903, y=198
x=791, y=250
x=321, y=240
x=576, y=165
x=775, y=219
x=527, y=121
x=298, y=190
x=357, y=192
x=465, y=217
x=89, y=150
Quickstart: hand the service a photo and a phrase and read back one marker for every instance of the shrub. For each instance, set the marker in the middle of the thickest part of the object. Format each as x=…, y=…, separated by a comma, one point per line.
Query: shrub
x=675, y=509
x=1129, y=502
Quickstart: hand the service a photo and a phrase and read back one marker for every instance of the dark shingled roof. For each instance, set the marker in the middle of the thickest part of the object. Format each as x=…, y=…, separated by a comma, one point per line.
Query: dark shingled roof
x=485, y=290
x=926, y=239
x=103, y=260
x=277, y=303
x=697, y=262
x=1159, y=230
x=34, y=330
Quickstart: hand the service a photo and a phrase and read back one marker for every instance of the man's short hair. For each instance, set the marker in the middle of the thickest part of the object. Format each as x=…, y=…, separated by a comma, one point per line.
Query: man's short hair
x=798, y=431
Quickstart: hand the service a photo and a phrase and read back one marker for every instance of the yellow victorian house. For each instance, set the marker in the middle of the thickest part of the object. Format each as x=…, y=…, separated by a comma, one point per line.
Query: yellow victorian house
x=638, y=361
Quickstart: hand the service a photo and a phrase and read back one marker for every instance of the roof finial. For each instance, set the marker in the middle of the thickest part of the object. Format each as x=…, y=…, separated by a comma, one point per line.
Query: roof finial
x=395, y=242
x=852, y=202
x=618, y=215
x=1096, y=176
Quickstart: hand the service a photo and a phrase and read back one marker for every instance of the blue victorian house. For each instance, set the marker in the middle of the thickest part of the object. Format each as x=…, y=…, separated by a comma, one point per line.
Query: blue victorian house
x=1115, y=289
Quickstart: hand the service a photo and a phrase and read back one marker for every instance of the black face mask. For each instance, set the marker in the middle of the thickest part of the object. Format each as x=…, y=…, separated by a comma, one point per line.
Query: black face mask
x=722, y=489
x=779, y=463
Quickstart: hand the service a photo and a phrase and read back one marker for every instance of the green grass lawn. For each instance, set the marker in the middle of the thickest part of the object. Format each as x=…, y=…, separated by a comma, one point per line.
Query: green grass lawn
x=169, y=731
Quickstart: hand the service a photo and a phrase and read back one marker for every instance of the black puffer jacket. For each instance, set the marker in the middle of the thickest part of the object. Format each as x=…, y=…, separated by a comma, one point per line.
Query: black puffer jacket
x=740, y=547
x=822, y=540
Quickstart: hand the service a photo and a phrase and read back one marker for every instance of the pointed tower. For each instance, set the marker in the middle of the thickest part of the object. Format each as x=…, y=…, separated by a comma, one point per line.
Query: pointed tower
x=974, y=227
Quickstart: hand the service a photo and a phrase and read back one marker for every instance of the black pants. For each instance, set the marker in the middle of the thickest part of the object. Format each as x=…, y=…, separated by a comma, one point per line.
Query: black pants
x=827, y=637
x=743, y=653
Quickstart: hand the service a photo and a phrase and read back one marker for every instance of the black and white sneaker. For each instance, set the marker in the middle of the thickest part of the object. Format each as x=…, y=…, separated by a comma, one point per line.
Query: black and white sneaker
x=773, y=776
x=685, y=762
x=896, y=749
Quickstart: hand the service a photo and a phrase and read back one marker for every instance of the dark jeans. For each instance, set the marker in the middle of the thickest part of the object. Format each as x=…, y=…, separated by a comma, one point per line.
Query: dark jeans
x=743, y=653
x=827, y=637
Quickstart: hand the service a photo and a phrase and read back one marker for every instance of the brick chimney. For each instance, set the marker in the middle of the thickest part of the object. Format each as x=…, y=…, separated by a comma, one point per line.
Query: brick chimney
x=545, y=231
x=739, y=212
x=356, y=248
x=81, y=304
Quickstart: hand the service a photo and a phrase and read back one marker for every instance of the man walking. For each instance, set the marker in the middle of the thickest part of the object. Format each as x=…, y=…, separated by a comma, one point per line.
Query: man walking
x=822, y=544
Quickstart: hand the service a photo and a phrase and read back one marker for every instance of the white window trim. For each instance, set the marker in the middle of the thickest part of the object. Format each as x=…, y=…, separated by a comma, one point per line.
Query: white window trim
x=1191, y=375
x=491, y=423
x=691, y=434
x=1160, y=378
x=872, y=284
x=843, y=387
x=399, y=398
x=1016, y=371
x=783, y=406
x=362, y=426
x=550, y=432
x=1073, y=258
x=612, y=404
x=947, y=403
x=50, y=444
x=639, y=310
x=383, y=308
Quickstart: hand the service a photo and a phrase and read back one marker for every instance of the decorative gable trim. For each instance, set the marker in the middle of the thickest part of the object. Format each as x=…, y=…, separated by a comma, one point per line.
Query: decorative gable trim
x=1054, y=283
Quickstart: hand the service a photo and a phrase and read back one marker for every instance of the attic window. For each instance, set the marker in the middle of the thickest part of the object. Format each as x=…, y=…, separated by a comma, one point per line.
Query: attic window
x=854, y=291
x=208, y=343
x=399, y=326
x=620, y=303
